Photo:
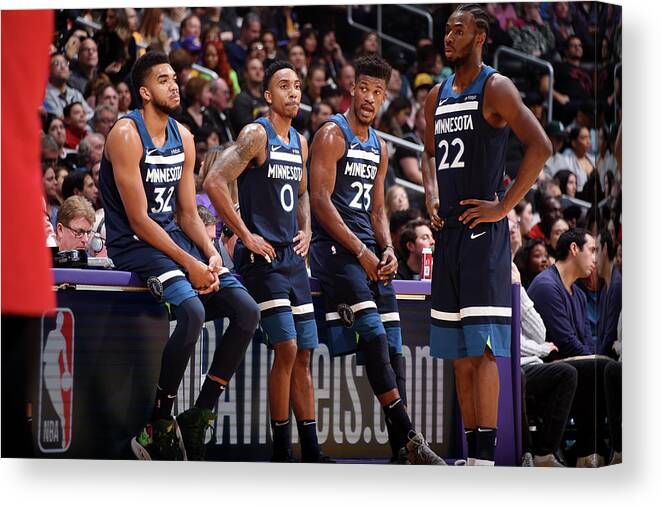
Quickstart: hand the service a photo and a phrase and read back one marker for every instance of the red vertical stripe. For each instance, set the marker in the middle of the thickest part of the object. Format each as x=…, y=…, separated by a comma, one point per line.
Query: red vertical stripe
x=26, y=277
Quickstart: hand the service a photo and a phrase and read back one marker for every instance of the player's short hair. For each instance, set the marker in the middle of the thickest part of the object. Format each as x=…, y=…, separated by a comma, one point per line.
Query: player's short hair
x=606, y=242
x=372, y=66
x=74, y=207
x=142, y=67
x=578, y=236
x=482, y=18
x=272, y=69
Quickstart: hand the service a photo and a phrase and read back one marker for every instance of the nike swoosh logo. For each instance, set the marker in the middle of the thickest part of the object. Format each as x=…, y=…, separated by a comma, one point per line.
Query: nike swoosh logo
x=149, y=152
x=173, y=396
x=308, y=423
x=395, y=403
x=275, y=148
x=443, y=102
x=474, y=236
x=354, y=145
x=281, y=423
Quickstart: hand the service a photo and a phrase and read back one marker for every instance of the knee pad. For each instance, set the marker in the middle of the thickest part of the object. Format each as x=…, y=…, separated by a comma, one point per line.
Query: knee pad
x=377, y=365
x=397, y=363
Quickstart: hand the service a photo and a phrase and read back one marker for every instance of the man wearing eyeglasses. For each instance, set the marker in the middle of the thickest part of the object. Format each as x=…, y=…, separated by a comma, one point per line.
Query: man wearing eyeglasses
x=58, y=93
x=75, y=219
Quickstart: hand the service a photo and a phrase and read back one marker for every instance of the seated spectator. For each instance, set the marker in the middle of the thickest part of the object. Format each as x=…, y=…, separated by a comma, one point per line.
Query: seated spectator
x=117, y=45
x=369, y=45
x=219, y=109
x=237, y=51
x=394, y=120
x=610, y=298
x=271, y=49
x=605, y=159
x=563, y=307
x=422, y=83
x=524, y=212
x=107, y=95
x=90, y=151
x=532, y=35
x=104, y=118
x=190, y=30
x=151, y=30
x=172, y=23
x=531, y=260
x=59, y=94
x=214, y=57
x=321, y=111
x=345, y=82
x=572, y=214
x=505, y=14
x=256, y=50
x=61, y=172
x=396, y=200
x=249, y=104
x=124, y=99
x=331, y=94
x=196, y=116
x=415, y=237
x=75, y=219
x=585, y=118
x=55, y=129
x=429, y=61
x=550, y=210
x=561, y=24
x=558, y=228
x=296, y=57
x=408, y=162
x=93, y=87
x=550, y=386
x=330, y=53
x=75, y=124
x=314, y=82
x=516, y=240
x=398, y=221
x=86, y=67
x=49, y=183
x=558, y=161
x=81, y=184
x=572, y=84
x=581, y=162
x=567, y=182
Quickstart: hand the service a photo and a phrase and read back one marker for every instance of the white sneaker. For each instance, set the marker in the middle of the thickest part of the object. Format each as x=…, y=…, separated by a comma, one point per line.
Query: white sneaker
x=591, y=461
x=527, y=460
x=548, y=460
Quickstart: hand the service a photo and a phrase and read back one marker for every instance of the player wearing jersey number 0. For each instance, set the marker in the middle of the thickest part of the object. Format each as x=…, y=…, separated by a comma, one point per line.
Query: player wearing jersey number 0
x=268, y=161
x=468, y=120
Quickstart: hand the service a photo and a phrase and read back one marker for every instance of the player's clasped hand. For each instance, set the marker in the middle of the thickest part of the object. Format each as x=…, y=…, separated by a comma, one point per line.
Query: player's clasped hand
x=302, y=243
x=387, y=266
x=258, y=245
x=215, y=263
x=482, y=211
x=200, y=277
x=370, y=263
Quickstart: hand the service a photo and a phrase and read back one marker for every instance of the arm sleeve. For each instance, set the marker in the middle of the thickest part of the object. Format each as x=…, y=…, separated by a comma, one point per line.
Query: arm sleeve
x=559, y=329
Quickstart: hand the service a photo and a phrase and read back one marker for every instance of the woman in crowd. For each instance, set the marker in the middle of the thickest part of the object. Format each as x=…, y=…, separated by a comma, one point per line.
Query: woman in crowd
x=524, y=212
x=197, y=96
x=124, y=99
x=215, y=58
x=396, y=200
x=567, y=181
x=558, y=227
x=151, y=30
x=581, y=162
x=531, y=259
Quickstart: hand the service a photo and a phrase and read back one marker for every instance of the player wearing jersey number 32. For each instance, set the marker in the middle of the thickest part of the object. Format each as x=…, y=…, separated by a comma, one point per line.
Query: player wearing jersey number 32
x=468, y=119
x=146, y=177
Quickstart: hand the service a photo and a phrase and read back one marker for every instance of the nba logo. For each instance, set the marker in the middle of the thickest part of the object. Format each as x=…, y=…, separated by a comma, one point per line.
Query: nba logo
x=56, y=381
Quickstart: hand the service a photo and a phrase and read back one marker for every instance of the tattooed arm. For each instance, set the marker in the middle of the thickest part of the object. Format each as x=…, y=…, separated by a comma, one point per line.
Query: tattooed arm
x=227, y=168
x=302, y=239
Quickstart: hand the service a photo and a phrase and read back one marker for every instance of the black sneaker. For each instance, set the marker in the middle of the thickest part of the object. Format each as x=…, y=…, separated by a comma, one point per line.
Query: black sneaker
x=283, y=458
x=159, y=440
x=194, y=424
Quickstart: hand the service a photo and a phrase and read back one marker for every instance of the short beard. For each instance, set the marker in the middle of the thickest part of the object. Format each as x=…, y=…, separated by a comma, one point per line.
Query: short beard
x=165, y=109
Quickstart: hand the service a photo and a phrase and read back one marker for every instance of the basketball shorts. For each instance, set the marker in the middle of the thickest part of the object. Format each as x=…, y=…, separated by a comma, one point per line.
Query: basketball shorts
x=281, y=288
x=161, y=273
x=356, y=309
x=471, y=291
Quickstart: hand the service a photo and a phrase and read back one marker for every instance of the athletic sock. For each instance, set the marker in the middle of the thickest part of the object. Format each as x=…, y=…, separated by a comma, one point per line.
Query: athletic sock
x=395, y=440
x=209, y=394
x=307, y=432
x=486, y=445
x=162, y=405
x=401, y=423
x=281, y=438
x=471, y=440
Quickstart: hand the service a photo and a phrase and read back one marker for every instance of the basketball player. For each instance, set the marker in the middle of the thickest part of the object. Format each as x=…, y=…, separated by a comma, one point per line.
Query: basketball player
x=352, y=253
x=268, y=160
x=468, y=117
x=146, y=175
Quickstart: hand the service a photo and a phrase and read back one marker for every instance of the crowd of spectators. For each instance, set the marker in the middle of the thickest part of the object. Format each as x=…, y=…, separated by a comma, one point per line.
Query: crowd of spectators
x=220, y=54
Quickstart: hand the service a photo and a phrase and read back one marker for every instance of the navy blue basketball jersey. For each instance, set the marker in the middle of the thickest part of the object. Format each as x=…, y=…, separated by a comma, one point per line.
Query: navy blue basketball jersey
x=268, y=194
x=470, y=153
x=354, y=182
x=160, y=169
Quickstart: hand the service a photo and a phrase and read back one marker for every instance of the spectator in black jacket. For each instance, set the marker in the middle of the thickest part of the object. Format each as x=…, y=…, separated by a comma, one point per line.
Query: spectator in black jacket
x=610, y=298
x=249, y=104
